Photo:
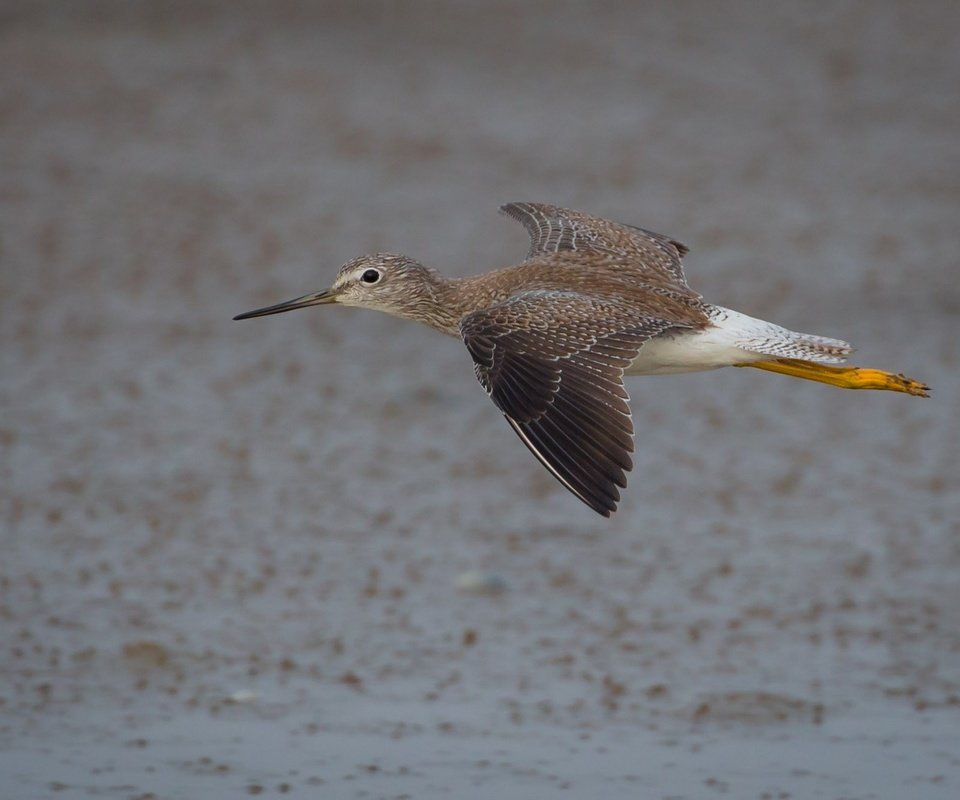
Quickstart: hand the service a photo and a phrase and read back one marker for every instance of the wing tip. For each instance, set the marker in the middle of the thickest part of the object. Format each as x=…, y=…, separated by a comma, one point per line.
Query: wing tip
x=604, y=512
x=604, y=504
x=514, y=209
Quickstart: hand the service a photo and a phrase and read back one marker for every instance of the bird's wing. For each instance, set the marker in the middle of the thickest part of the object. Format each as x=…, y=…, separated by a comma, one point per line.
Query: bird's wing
x=553, y=363
x=554, y=230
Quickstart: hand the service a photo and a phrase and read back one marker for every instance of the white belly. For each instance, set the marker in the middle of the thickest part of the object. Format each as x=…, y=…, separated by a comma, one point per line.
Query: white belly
x=691, y=351
x=733, y=338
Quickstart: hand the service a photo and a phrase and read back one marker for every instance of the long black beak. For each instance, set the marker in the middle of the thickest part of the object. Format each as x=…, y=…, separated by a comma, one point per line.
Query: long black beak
x=315, y=299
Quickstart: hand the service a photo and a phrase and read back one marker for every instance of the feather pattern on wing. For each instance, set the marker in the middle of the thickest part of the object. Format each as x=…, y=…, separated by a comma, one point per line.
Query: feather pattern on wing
x=554, y=230
x=553, y=362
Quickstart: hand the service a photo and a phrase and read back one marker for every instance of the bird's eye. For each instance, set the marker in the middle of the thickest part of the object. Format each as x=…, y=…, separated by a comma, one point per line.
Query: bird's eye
x=370, y=276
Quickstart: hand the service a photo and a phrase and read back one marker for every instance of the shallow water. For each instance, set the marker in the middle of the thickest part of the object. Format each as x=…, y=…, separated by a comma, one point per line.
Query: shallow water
x=234, y=553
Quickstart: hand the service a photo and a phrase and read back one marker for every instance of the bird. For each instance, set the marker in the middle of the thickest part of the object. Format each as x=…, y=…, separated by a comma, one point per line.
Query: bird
x=553, y=337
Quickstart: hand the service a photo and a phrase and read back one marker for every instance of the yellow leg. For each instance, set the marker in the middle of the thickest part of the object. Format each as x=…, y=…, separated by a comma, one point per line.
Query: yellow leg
x=844, y=377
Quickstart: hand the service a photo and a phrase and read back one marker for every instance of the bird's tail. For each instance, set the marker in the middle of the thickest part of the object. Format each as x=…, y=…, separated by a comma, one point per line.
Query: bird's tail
x=818, y=358
x=803, y=355
x=761, y=338
x=818, y=349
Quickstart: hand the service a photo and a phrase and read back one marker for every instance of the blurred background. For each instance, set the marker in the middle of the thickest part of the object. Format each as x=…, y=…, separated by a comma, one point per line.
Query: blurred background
x=306, y=555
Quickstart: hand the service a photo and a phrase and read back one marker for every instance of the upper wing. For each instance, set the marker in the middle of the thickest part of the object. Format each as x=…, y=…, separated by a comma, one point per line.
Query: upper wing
x=554, y=229
x=553, y=363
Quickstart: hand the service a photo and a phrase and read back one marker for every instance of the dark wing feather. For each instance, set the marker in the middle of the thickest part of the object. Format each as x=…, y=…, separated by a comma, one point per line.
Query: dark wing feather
x=554, y=230
x=553, y=363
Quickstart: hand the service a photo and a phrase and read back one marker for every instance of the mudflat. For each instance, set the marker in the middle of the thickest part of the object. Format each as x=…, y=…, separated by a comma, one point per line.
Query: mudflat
x=305, y=555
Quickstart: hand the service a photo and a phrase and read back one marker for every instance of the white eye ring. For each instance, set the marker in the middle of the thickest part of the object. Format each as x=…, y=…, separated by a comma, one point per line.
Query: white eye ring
x=370, y=276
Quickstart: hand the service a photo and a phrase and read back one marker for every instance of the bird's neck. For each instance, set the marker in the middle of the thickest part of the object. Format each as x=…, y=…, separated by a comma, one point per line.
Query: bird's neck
x=454, y=298
x=436, y=302
x=441, y=303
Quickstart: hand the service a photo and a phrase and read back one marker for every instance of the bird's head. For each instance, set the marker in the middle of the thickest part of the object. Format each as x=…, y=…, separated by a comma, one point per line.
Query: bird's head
x=384, y=282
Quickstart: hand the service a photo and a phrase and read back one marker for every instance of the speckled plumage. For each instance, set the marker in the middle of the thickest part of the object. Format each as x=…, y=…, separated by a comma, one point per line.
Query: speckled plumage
x=553, y=363
x=551, y=338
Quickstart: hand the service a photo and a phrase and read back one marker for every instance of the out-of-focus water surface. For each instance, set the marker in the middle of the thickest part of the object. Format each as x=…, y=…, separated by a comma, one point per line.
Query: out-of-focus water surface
x=231, y=551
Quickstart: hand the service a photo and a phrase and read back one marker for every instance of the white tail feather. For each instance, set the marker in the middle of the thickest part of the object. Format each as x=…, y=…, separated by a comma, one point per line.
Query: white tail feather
x=767, y=339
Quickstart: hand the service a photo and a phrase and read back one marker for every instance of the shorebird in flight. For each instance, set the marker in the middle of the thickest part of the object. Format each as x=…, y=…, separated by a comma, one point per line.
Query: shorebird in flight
x=553, y=337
